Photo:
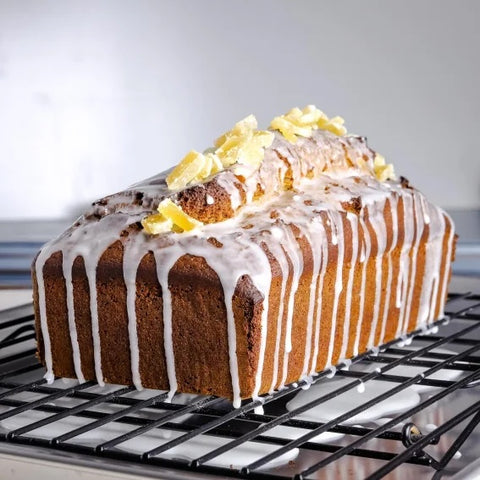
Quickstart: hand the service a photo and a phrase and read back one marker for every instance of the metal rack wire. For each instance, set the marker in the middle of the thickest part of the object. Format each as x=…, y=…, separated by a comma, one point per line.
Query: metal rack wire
x=81, y=409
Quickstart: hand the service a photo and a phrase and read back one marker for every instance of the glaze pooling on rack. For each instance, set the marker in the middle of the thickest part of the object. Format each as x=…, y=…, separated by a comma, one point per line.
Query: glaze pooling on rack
x=326, y=173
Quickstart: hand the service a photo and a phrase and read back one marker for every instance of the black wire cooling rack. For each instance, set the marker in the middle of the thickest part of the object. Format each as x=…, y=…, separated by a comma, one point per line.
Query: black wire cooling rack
x=67, y=420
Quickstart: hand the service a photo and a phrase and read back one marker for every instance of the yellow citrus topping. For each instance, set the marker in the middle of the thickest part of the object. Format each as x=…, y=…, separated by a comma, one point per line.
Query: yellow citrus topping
x=206, y=169
x=244, y=144
x=334, y=125
x=302, y=122
x=156, y=223
x=171, y=211
x=383, y=171
x=240, y=129
x=191, y=166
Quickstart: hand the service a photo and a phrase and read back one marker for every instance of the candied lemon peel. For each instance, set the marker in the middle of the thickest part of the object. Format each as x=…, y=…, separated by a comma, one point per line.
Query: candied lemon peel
x=383, y=171
x=170, y=217
x=301, y=123
x=193, y=168
x=244, y=144
x=156, y=223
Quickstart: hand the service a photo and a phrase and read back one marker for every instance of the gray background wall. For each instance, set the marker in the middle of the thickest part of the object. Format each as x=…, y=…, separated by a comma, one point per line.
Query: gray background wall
x=95, y=95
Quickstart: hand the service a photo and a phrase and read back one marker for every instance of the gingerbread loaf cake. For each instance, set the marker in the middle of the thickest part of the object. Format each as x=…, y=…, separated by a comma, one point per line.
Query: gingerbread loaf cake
x=270, y=257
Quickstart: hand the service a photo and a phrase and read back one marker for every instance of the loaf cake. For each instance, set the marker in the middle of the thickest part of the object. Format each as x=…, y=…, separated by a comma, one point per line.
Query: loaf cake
x=273, y=255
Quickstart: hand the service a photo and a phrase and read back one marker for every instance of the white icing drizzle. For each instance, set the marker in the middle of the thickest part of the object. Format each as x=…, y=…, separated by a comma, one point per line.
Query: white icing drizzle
x=433, y=257
x=394, y=212
x=295, y=255
x=419, y=225
x=314, y=235
x=426, y=216
x=436, y=252
x=408, y=224
x=448, y=260
x=88, y=241
x=337, y=226
x=379, y=227
x=367, y=248
x=279, y=254
x=229, y=183
x=320, y=283
x=132, y=256
x=91, y=269
x=164, y=264
x=264, y=283
x=353, y=220
x=67, y=265
x=39, y=264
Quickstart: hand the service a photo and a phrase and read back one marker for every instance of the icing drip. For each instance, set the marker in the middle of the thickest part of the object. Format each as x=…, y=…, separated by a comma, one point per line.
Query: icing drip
x=39, y=264
x=67, y=265
x=448, y=260
x=394, y=212
x=408, y=223
x=379, y=227
x=436, y=252
x=426, y=215
x=91, y=269
x=277, y=250
x=433, y=257
x=353, y=220
x=132, y=256
x=164, y=264
x=419, y=226
x=294, y=254
x=263, y=283
x=324, y=262
x=336, y=223
x=230, y=184
x=232, y=342
x=367, y=245
x=315, y=237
